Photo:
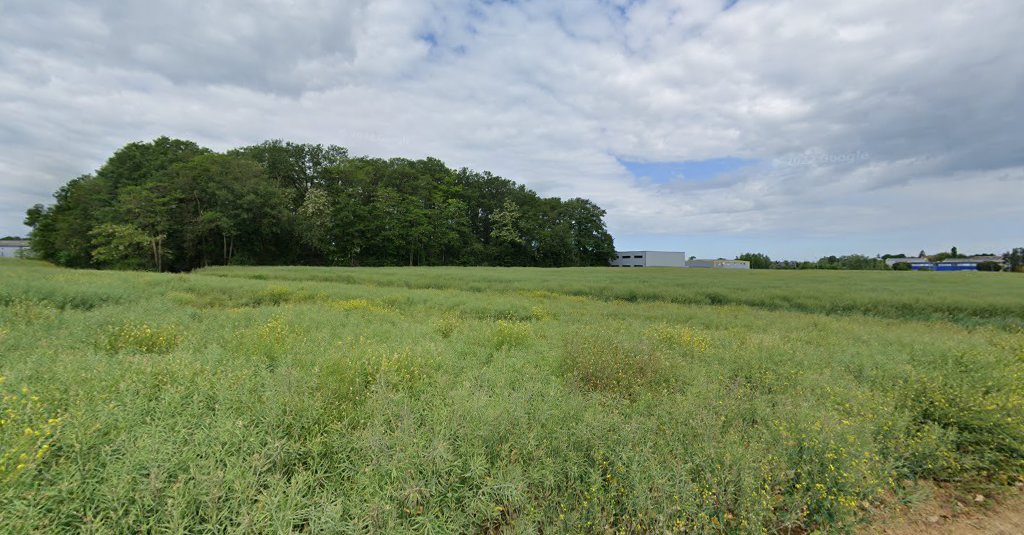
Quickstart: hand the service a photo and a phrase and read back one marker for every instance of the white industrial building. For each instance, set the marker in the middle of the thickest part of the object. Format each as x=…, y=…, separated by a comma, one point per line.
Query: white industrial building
x=649, y=259
x=12, y=248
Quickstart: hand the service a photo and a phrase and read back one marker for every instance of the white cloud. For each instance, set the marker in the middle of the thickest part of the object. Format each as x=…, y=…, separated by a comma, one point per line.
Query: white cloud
x=923, y=94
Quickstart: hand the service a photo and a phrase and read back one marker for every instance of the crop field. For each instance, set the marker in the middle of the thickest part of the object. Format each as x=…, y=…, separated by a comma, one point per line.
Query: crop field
x=499, y=400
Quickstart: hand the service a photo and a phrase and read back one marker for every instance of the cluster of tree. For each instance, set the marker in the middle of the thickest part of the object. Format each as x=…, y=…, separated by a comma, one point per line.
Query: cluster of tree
x=854, y=261
x=173, y=205
x=757, y=260
x=1014, y=261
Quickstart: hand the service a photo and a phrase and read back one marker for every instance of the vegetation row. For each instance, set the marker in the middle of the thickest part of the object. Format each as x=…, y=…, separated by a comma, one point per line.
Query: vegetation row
x=289, y=400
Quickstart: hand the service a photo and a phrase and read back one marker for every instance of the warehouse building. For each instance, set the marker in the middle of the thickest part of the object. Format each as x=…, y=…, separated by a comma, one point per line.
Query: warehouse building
x=12, y=248
x=719, y=264
x=956, y=264
x=915, y=263
x=649, y=259
x=949, y=264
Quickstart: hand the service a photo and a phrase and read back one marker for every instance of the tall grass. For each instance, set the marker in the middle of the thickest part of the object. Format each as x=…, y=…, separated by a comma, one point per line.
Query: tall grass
x=357, y=401
x=968, y=298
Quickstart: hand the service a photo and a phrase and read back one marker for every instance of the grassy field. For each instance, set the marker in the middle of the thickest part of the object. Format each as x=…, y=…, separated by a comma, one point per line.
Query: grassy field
x=486, y=400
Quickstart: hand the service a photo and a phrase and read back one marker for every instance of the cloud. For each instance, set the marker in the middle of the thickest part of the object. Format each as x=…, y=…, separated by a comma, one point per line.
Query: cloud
x=856, y=111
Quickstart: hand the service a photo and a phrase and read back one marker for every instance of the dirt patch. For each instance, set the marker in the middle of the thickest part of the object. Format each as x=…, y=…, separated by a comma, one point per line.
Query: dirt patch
x=944, y=512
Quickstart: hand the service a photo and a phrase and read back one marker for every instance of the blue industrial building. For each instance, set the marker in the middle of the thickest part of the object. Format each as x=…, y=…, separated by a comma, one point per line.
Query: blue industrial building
x=949, y=264
x=957, y=264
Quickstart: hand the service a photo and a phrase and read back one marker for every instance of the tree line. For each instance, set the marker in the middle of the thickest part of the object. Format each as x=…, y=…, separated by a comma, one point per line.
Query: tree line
x=172, y=205
x=1013, y=260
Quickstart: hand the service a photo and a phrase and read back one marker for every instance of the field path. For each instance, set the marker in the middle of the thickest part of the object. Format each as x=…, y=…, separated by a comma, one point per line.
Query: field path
x=1005, y=518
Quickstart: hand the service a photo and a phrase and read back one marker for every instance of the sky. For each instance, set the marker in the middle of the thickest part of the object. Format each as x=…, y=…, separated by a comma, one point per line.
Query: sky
x=793, y=128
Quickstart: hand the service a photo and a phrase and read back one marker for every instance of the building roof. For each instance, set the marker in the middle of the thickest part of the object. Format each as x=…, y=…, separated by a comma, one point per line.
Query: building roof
x=970, y=259
x=13, y=243
x=649, y=251
x=892, y=261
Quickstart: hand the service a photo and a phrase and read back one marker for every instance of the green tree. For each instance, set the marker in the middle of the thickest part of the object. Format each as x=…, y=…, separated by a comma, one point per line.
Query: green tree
x=120, y=246
x=149, y=207
x=757, y=260
x=225, y=206
x=282, y=202
x=506, y=235
x=452, y=229
x=591, y=245
x=63, y=233
x=299, y=167
x=315, y=222
x=989, y=266
x=139, y=162
x=1014, y=259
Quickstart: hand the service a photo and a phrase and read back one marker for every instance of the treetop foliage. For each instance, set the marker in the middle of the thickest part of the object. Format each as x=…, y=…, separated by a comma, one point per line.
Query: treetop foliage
x=757, y=260
x=171, y=204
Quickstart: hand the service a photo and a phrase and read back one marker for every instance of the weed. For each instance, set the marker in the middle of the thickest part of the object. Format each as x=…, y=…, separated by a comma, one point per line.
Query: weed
x=602, y=360
x=357, y=304
x=511, y=333
x=447, y=324
x=131, y=336
x=28, y=430
x=676, y=336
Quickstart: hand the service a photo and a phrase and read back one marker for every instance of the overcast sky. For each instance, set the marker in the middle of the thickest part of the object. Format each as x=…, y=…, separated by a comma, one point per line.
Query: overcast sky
x=794, y=128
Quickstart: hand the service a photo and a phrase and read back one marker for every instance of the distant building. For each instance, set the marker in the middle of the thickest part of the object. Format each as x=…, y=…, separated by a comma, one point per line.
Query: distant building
x=949, y=264
x=719, y=264
x=915, y=263
x=11, y=248
x=649, y=259
x=957, y=264
x=987, y=258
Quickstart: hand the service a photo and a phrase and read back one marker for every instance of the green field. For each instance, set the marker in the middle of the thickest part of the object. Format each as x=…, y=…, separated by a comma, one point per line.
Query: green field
x=486, y=400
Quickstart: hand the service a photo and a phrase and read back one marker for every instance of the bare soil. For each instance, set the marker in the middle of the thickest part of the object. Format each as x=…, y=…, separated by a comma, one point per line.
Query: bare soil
x=941, y=511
